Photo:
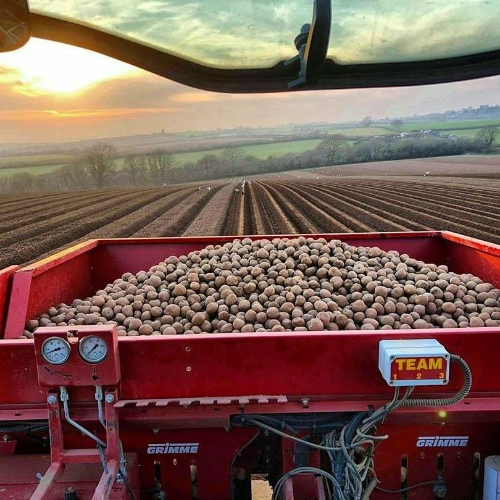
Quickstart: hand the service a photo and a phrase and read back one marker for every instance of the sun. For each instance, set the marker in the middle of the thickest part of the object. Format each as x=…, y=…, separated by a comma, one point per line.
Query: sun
x=58, y=68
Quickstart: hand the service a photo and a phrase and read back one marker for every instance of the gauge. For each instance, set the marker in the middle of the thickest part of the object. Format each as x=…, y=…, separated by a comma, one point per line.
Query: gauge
x=56, y=350
x=93, y=349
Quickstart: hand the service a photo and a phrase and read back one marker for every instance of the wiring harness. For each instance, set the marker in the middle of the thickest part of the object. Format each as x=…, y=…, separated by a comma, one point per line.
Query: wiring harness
x=350, y=445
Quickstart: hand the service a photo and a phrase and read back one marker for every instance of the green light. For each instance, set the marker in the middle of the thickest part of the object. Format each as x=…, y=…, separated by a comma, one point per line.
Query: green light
x=442, y=414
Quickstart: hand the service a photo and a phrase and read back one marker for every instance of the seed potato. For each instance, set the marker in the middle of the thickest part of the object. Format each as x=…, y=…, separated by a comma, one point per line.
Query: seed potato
x=297, y=284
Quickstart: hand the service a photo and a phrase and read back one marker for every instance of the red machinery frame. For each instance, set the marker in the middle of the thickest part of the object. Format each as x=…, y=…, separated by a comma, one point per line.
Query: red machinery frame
x=185, y=388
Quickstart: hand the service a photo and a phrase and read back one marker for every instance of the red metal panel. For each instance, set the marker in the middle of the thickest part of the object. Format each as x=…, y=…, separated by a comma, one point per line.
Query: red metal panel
x=60, y=278
x=5, y=287
x=18, y=304
x=67, y=280
x=468, y=255
x=305, y=364
x=422, y=461
x=216, y=448
x=293, y=364
x=75, y=371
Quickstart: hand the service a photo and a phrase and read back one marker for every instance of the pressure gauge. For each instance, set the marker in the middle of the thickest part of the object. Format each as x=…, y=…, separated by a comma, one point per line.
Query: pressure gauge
x=93, y=349
x=56, y=350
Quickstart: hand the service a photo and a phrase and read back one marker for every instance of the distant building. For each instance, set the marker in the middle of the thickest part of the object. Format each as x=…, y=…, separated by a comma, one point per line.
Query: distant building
x=427, y=134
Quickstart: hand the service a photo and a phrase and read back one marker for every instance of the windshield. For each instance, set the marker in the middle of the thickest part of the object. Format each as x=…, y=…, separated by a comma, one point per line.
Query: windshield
x=260, y=33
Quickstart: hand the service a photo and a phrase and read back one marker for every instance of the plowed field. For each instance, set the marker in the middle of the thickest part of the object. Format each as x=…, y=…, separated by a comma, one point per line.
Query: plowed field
x=34, y=226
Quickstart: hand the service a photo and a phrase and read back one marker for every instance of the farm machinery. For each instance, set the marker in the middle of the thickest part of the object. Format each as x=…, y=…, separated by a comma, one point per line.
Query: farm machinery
x=341, y=415
x=87, y=414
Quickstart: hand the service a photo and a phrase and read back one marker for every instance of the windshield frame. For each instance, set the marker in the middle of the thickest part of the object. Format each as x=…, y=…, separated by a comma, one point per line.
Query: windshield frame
x=259, y=80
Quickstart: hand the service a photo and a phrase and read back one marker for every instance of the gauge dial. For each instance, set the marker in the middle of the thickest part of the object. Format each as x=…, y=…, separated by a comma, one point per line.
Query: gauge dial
x=56, y=350
x=93, y=349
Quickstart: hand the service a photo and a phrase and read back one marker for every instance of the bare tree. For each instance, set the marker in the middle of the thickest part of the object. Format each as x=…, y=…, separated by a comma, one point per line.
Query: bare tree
x=365, y=122
x=161, y=164
x=487, y=136
x=397, y=123
x=233, y=156
x=135, y=168
x=22, y=182
x=207, y=163
x=331, y=147
x=99, y=161
x=74, y=176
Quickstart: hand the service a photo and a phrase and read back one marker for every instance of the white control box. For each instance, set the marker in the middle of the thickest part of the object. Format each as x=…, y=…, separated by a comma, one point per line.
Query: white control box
x=405, y=363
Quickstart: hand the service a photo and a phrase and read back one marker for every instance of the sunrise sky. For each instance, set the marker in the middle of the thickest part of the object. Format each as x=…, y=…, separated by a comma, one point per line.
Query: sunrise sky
x=53, y=92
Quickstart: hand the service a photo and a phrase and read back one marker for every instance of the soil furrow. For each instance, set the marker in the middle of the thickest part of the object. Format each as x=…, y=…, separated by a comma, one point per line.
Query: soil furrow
x=250, y=212
x=276, y=217
x=133, y=222
x=210, y=220
x=233, y=219
x=36, y=214
x=291, y=211
x=177, y=219
x=452, y=215
x=349, y=206
x=366, y=203
x=442, y=201
x=318, y=211
x=437, y=221
x=25, y=250
x=339, y=211
x=62, y=222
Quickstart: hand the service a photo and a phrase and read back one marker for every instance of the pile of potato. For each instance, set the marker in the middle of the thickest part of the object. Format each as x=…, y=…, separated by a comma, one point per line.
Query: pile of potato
x=282, y=285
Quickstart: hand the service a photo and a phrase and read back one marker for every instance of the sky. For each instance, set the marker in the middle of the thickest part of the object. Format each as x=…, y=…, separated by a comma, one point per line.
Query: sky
x=51, y=92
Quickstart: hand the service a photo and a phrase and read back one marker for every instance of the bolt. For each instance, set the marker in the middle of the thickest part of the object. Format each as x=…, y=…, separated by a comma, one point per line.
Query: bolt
x=52, y=400
x=109, y=398
x=156, y=431
x=5, y=438
x=188, y=368
x=305, y=402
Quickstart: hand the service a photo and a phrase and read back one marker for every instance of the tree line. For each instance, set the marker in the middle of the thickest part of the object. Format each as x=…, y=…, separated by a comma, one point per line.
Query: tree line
x=97, y=167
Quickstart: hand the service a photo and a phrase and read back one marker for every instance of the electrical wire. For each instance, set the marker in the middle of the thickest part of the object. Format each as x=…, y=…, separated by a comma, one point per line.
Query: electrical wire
x=351, y=451
x=241, y=450
x=408, y=488
x=305, y=470
x=288, y=436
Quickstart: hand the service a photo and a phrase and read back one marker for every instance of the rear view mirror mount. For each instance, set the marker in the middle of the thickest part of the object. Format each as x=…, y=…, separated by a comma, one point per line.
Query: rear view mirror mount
x=15, y=28
x=312, y=45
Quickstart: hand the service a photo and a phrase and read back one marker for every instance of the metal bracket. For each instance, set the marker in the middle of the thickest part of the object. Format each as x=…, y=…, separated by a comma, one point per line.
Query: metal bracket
x=312, y=45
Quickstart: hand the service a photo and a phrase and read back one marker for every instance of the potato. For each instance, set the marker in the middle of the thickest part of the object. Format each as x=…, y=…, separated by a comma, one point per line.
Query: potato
x=281, y=285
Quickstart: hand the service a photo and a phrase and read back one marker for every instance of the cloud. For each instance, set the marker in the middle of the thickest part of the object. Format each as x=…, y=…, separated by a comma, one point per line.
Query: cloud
x=389, y=31
x=194, y=97
x=141, y=103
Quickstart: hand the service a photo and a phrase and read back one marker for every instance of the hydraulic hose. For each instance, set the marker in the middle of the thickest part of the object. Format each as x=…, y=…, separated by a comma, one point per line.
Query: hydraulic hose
x=461, y=394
